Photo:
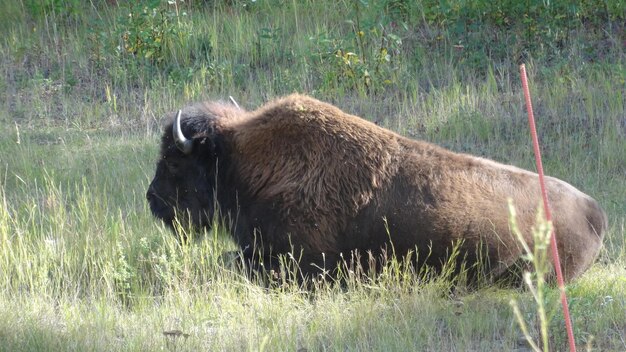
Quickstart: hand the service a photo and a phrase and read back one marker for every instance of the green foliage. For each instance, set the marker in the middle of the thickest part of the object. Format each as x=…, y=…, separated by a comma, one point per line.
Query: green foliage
x=149, y=30
x=366, y=59
x=42, y=8
x=537, y=26
x=268, y=49
x=535, y=280
x=535, y=16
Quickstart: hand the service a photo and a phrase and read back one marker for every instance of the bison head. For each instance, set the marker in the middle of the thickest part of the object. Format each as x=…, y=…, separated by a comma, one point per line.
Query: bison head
x=183, y=188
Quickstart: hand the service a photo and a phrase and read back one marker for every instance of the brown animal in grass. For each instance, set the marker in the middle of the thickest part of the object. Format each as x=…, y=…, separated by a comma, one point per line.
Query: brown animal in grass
x=301, y=175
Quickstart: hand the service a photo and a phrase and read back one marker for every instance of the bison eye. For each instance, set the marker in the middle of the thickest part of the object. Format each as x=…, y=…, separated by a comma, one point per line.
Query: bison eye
x=172, y=167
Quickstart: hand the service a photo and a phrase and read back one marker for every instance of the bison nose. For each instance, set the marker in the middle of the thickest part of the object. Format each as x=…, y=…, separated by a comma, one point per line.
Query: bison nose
x=151, y=194
x=158, y=207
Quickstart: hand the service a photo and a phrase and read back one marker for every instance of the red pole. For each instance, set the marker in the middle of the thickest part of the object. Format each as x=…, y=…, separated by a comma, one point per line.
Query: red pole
x=546, y=207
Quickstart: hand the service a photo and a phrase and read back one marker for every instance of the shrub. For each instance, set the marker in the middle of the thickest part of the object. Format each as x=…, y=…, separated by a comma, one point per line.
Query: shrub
x=148, y=30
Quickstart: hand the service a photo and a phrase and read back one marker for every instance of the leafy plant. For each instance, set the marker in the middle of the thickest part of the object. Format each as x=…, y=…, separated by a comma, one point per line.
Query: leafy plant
x=267, y=47
x=541, y=27
x=42, y=8
x=366, y=59
x=148, y=30
x=535, y=280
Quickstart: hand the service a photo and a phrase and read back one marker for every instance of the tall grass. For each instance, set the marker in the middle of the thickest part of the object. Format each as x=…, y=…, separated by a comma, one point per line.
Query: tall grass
x=84, y=266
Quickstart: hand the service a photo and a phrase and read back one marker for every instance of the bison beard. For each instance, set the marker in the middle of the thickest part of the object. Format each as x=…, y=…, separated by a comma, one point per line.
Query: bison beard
x=301, y=175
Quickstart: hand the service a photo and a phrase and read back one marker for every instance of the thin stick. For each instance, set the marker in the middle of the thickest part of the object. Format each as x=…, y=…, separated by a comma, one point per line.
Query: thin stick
x=546, y=206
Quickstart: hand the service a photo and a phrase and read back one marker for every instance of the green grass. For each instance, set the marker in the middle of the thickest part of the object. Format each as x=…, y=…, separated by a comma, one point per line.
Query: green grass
x=84, y=266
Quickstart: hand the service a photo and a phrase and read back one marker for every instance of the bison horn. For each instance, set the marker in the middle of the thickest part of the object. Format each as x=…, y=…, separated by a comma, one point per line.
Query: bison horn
x=182, y=143
x=232, y=100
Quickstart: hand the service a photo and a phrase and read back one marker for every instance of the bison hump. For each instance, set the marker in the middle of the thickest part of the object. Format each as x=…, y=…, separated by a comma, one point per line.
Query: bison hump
x=311, y=158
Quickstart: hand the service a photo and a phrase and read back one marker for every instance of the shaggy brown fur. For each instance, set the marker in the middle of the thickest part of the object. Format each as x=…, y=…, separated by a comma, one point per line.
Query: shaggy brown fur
x=301, y=174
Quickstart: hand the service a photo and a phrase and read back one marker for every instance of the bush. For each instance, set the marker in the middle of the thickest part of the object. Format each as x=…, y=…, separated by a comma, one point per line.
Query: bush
x=148, y=30
x=366, y=58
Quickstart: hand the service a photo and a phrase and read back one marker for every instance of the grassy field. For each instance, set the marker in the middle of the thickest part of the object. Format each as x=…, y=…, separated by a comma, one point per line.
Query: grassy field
x=83, y=87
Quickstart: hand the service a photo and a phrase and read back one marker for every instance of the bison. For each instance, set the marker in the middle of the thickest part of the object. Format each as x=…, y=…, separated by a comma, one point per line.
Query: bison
x=300, y=175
